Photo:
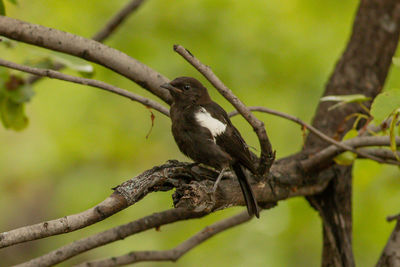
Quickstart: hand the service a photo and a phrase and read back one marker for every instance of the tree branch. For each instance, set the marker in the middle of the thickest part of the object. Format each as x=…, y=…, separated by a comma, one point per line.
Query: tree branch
x=314, y=131
x=194, y=191
x=390, y=256
x=70, y=223
x=125, y=195
x=114, y=234
x=327, y=154
x=116, y=20
x=175, y=253
x=267, y=154
x=104, y=33
x=87, y=49
x=94, y=83
x=362, y=69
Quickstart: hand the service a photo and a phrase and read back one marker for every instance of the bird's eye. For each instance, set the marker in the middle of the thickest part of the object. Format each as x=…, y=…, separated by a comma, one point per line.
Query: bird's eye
x=186, y=87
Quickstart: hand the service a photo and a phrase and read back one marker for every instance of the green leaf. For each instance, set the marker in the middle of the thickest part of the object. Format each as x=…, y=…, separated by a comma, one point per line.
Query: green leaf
x=344, y=99
x=13, y=1
x=17, y=90
x=346, y=158
x=2, y=8
x=13, y=115
x=22, y=94
x=350, y=134
x=74, y=63
x=396, y=61
x=4, y=75
x=44, y=62
x=8, y=43
x=384, y=105
x=393, y=145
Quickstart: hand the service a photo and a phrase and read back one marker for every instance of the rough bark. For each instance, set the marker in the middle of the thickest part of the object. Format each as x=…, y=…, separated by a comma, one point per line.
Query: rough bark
x=362, y=68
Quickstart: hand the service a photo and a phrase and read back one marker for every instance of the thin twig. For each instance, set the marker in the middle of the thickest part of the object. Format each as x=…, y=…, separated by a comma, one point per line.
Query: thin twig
x=116, y=20
x=102, y=34
x=267, y=154
x=393, y=217
x=362, y=141
x=313, y=130
x=112, y=235
x=175, y=253
x=125, y=194
x=80, y=80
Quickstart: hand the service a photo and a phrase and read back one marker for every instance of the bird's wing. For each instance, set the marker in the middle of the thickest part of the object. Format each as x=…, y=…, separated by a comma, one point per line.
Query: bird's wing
x=231, y=140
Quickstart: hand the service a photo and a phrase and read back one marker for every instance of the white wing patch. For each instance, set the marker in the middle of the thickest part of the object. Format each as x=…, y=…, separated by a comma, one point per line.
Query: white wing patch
x=205, y=119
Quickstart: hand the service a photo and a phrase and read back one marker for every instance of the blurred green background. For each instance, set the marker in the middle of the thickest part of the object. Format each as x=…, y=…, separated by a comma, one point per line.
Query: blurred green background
x=81, y=141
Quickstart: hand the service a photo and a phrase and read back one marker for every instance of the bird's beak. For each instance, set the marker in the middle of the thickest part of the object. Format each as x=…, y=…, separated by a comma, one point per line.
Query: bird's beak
x=171, y=88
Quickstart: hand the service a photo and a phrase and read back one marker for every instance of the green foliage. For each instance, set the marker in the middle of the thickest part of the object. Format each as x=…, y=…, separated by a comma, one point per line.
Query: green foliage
x=392, y=132
x=384, y=105
x=348, y=157
x=81, y=66
x=14, y=93
x=12, y=114
x=344, y=99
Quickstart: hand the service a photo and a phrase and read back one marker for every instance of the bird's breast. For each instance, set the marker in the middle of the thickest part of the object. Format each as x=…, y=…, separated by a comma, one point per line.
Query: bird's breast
x=204, y=119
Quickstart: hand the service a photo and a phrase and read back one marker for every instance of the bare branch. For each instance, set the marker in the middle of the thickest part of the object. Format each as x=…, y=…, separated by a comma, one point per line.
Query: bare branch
x=385, y=154
x=330, y=152
x=177, y=252
x=111, y=235
x=87, y=49
x=313, y=130
x=116, y=20
x=94, y=83
x=390, y=256
x=125, y=195
x=267, y=154
x=189, y=205
x=106, y=208
x=193, y=186
x=104, y=33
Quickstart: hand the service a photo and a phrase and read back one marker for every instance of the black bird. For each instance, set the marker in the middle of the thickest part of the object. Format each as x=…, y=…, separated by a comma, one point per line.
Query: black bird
x=204, y=132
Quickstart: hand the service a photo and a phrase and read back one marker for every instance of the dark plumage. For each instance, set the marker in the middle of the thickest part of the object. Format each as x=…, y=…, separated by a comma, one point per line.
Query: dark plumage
x=204, y=132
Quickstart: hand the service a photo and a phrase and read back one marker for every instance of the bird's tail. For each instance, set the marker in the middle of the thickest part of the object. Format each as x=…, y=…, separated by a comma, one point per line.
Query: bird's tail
x=248, y=194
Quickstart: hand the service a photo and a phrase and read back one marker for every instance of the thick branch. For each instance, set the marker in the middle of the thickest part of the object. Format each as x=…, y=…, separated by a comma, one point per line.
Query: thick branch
x=106, y=208
x=193, y=191
x=87, y=49
x=362, y=69
x=267, y=154
x=390, y=256
x=111, y=235
x=175, y=253
x=94, y=83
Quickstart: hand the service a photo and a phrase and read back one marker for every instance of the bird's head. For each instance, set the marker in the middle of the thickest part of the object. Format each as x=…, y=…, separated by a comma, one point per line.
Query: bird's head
x=187, y=90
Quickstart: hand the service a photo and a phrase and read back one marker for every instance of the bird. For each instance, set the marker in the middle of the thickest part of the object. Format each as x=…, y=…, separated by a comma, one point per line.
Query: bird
x=203, y=132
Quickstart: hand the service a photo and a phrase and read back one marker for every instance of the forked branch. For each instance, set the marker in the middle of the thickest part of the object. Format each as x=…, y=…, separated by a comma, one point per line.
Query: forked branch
x=175, y=253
